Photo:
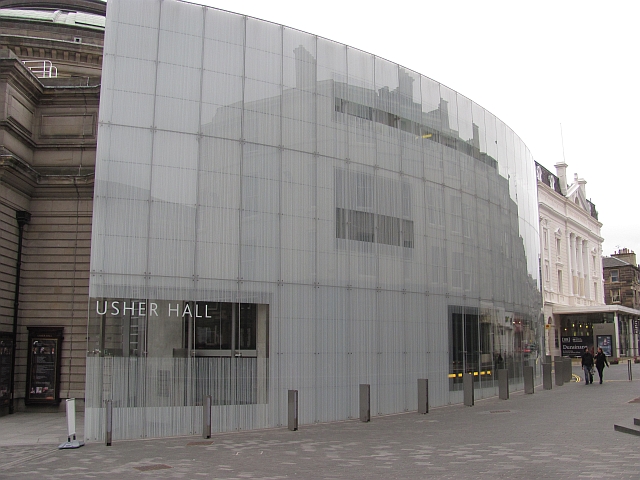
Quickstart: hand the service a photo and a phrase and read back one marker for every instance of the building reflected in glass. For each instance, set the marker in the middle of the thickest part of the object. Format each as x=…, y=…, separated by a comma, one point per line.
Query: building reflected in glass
x=275, y=211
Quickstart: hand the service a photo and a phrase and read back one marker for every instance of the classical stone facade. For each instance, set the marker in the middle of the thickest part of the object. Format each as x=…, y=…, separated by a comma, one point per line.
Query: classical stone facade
x=50, y=73
x=571, y=250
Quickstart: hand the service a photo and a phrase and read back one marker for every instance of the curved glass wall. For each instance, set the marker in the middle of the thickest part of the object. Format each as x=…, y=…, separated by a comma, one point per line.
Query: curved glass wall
x=274, y=211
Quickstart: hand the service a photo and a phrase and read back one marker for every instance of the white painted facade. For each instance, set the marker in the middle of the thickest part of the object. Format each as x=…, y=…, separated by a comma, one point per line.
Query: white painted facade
x=570, y=246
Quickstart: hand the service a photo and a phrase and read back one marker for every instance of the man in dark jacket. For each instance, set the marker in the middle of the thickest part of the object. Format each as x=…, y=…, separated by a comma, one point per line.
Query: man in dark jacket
x=587, y=366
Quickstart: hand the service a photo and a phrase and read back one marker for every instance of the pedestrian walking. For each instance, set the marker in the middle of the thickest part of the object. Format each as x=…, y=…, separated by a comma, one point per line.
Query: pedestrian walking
x=587, y=366
x=601, y=361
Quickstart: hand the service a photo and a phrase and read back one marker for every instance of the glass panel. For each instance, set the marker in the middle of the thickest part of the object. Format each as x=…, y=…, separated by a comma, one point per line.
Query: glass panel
x=180, y=39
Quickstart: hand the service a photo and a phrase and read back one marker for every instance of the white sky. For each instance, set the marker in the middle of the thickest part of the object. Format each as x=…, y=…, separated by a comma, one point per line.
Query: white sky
x=535, y=65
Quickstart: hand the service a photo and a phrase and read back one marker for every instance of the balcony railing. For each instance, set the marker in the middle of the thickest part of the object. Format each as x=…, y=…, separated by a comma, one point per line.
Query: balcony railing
x=41, y=68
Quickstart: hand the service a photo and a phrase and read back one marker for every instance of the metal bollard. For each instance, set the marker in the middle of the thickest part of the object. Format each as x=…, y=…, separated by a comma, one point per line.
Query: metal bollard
x=528, y=380
x=108, y=425
x=206, y=417
x=503, y=384
x=467, y=386
x=423, y=395
x=365, y=402
x=293, y=410
x=547, y=380
x=630, y=374
x=568, y=370
x=559, y=366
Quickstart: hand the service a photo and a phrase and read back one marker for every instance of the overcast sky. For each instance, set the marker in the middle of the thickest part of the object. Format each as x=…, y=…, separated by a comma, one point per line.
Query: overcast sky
x=536, y=65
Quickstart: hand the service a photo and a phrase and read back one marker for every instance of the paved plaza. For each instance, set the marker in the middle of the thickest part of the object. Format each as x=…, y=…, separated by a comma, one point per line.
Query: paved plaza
x=566, y=432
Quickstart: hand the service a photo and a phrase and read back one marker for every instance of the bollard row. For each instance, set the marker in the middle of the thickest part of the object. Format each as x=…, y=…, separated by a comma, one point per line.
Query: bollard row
x=365, y=396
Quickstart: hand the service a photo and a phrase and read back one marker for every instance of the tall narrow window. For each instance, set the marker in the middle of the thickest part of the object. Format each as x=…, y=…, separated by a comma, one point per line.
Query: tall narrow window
x=560, y=282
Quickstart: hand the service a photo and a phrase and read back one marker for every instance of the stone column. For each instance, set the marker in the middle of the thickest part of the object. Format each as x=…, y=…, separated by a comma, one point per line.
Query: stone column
x=617, y=330
x=571, y=261
x=587, y=268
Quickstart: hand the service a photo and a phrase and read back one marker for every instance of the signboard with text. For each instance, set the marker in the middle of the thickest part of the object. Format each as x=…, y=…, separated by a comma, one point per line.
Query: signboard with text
x=574, y=346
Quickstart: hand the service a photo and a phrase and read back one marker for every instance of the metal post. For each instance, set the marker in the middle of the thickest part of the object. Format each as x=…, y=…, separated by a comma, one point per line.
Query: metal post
x=630, y=374
x=108, y=423
x=503, y=384
x=365, y=402
x=528, y=379
x=467, y=386
x=423, y=395
x=568, y=370
x=547, y=380
x=559, y=366
x=206, y=417
x=293, y=410
x=23, y=218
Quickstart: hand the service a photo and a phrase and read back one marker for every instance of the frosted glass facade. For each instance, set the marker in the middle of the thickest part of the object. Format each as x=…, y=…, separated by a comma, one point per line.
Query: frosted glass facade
x=274, y=211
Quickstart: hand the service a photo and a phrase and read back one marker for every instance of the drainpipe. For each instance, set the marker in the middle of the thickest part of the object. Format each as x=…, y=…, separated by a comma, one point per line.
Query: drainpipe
x=23, y=219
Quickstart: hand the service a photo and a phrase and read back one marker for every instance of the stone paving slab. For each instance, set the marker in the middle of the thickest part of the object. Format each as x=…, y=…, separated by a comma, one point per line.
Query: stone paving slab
x=566, y=432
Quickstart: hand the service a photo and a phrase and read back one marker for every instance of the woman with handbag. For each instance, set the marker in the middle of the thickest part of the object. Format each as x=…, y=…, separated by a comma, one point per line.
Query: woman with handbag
x=601, y=361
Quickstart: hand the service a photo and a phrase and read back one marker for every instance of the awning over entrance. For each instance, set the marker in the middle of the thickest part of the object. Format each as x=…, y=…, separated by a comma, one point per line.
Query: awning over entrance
x=615, y=326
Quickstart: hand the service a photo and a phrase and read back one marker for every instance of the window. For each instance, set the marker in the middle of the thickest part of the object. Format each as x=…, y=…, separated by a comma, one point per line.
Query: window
x=456, y=269
x=223, y=328
x=546, y=271
x=558, y=246
x=545, y=238
x=373, y=228
x=615, y=276
x=464, y=344
x=560, y=282
x=615, y=295
x=356, y=205
x=438, y=264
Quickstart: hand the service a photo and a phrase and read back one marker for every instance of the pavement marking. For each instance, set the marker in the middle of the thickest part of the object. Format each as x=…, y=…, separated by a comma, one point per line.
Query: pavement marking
x=148, y=468
x=28, y=458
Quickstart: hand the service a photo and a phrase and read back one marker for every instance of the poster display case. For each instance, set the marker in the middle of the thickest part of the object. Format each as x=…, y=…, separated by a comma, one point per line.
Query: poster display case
x=6, y=350
x=43, y=366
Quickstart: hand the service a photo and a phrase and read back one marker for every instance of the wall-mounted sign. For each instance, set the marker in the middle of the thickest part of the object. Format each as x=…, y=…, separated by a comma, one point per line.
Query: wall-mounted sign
x=6, y=350
x=574, y=346
x=43, y=365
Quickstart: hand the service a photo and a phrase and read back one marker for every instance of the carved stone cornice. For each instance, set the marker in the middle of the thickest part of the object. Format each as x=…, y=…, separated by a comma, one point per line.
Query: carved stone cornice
x=19, y=176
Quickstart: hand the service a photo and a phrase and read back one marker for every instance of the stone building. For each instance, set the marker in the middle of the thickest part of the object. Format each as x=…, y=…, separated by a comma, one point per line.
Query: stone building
x=50, y=73
x=577, y=308
x=622, y=279
x=571, y=252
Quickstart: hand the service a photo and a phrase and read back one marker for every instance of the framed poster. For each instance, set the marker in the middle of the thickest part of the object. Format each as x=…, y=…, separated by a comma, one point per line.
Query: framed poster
x=43, y=366
x=6, y=351
x=605, y=342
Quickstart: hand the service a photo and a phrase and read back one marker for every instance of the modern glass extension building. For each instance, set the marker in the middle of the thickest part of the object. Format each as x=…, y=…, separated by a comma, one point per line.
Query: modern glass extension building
x=274, y=210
